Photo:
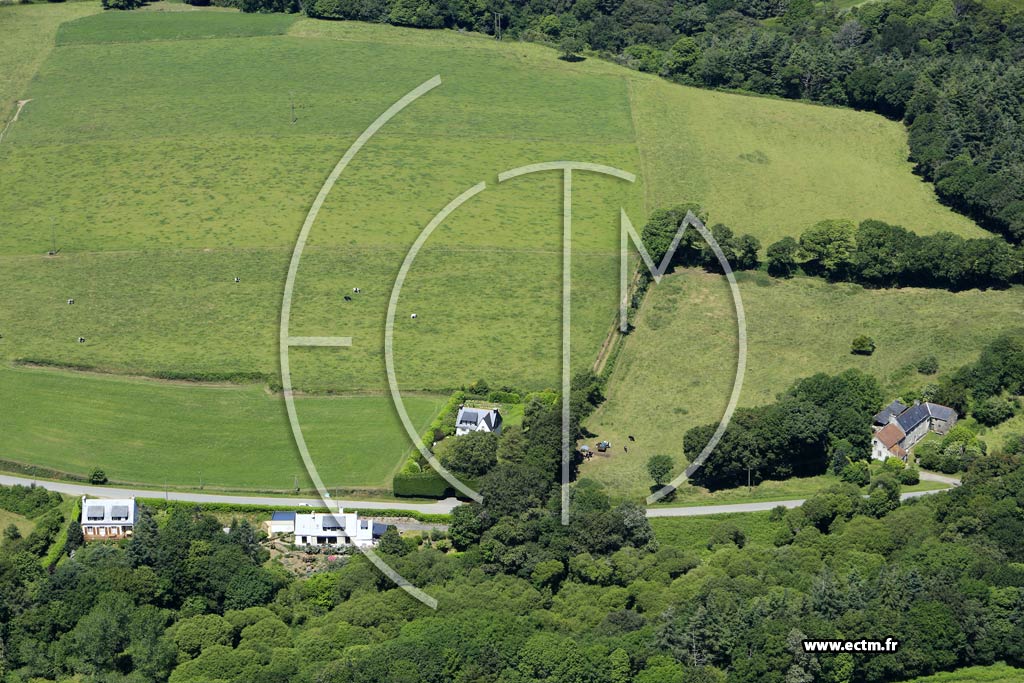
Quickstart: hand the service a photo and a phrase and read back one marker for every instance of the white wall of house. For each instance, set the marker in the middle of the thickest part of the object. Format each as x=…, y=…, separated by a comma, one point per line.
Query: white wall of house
x=879, y=451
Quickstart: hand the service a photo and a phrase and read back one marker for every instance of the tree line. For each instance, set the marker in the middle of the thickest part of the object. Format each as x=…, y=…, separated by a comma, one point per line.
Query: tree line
x=877, y=254
x=953, y=72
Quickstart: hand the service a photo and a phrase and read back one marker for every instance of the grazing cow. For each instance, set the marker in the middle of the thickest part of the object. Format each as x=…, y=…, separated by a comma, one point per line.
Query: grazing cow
x=70, y=301
x=413, y=315
x=238, y=279
x=81, y=340
x=631, y=438
x=348, y=298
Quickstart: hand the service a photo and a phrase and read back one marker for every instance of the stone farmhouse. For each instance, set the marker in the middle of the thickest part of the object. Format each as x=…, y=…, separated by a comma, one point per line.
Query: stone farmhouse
x=898, y=427
x=108, y=518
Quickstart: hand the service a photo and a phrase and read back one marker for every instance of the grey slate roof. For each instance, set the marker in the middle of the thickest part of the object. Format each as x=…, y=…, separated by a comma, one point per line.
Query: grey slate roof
x=912, y=417
x=108, y=511
x=473, y=417
x=282, y=516
x=378, y=529
x=894, y=408
x=330, y=522
x=940, y=412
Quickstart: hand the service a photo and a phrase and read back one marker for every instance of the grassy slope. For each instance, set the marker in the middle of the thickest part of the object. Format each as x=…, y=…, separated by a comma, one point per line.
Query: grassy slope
x=994, y=673
x=231, y=436
x=692, y=533
x=677, y=367
x=24, y=524
x=28, y=33
x=774, y=168
x=219, y=186
x=172, y=184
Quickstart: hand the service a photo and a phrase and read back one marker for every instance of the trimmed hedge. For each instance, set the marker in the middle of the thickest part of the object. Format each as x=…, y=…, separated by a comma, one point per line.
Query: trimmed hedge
x=427, y=484
x=161, y=504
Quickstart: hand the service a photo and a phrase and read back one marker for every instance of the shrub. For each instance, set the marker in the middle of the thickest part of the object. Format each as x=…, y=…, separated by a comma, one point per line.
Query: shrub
x=427, y=484
x=856, y=473
x=97, y=477
x=928, y=365
x=910, y=476
x=994, y=410
x=862, y=345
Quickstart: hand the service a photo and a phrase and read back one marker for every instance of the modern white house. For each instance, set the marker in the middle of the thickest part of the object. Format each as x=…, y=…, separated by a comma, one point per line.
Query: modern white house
x=899, y=428
x=477, y=420
x=108, y=518
x=319, y=528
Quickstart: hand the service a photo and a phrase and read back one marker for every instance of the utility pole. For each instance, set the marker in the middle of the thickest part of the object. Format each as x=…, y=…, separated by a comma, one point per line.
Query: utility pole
x=497, y=25
x=53, y=238
x=291, y=98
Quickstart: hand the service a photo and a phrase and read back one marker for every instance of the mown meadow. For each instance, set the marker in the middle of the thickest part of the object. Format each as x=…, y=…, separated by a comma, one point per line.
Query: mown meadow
x=163, y=185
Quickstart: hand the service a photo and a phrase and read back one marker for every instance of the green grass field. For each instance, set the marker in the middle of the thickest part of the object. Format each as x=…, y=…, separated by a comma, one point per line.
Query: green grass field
x=230, y=437
x=773, y=168
x=676, y=368
x=28, y=32
x=692, y=533
x=994, y=673
x=165, y=184
x=23, y=524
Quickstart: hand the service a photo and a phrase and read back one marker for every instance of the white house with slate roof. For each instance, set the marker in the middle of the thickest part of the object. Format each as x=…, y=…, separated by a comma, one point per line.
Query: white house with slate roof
x=108, y=518
x=477, y=420
x=343, y=528
x=899, y=428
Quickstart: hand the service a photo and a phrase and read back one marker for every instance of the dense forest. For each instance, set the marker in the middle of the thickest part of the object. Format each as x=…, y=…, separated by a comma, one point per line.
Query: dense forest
x=822, y=423
x=952, y=70
x=524, y=599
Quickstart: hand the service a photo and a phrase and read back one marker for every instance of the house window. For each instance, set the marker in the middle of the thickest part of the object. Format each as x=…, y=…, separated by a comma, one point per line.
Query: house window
x=303, y=539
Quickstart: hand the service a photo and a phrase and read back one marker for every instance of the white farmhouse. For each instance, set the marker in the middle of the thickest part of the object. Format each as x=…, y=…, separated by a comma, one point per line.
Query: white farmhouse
x=108, y=518
x=477, y=420
x=318, y=528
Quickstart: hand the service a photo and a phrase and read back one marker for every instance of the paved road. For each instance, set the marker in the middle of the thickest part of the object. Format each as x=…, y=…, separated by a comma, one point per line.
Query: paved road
x=944, y=478
x=440, y=507
x=750, y=507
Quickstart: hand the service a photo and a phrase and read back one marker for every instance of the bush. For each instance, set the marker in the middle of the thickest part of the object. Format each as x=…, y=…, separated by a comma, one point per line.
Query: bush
x=427, y=484
x=120, y=4
x=857, y=473
x=995, y=410
x=928, y=365
x=862, y=346
x=909, y=476
x=98, y=477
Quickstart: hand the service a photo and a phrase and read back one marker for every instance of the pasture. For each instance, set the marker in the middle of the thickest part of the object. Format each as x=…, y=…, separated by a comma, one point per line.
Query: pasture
x=676, y=369
x=162, y=185
x=774, y=168
x=993, y=673
x=692, y=533
x=179, y=435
